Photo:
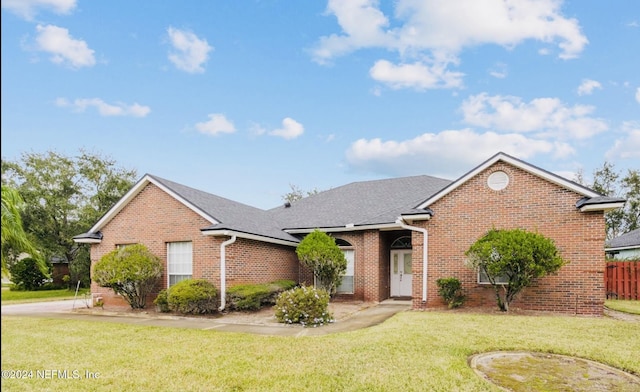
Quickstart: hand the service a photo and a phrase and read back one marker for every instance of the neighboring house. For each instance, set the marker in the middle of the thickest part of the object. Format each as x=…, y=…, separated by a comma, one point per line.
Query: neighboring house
x=399, y=235
x=625, y=247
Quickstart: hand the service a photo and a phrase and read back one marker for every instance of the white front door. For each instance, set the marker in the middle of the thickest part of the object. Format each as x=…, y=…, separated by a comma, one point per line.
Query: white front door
x=401, y=273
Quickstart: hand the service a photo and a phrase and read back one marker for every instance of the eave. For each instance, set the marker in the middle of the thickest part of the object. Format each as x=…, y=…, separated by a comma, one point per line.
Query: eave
x=601, y=207
x=248, y=236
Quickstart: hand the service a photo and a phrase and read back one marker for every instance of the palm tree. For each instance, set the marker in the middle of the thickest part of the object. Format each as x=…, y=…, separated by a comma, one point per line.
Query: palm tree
x=13, y=234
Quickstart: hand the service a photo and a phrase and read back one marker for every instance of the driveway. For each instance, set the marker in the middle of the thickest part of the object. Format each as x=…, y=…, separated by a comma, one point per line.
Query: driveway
x=42, y=308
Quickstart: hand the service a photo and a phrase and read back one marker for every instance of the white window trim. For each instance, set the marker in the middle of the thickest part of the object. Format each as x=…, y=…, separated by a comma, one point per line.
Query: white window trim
x=188, y=270
x=353, y=271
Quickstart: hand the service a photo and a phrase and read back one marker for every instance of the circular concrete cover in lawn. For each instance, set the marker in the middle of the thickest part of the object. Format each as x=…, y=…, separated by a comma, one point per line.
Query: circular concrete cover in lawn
x=531, y=371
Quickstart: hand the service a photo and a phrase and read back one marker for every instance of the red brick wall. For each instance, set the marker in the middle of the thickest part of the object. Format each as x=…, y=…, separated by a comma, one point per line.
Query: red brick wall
x=154, y=218
x=530, y=203
x=250, y=261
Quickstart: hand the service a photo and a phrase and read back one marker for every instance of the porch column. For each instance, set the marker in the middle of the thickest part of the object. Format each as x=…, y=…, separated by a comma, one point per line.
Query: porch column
x=372, y=268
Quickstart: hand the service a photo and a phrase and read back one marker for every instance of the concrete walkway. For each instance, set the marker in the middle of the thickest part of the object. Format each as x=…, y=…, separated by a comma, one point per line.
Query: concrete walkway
x=364, y=318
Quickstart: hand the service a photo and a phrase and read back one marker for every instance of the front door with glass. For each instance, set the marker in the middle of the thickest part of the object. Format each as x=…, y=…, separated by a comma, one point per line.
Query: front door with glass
x=401, y=273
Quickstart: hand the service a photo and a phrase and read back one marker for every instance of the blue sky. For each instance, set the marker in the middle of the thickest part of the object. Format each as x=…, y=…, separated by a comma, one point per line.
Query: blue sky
x=245, y=99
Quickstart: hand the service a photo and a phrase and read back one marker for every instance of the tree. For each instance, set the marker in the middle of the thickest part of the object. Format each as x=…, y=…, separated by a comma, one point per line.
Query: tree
x=15, y=240
x=27, y=275
x=297, y=194
x=132, y=272
x=319, y=252
x=517, y=256
x=64, y=197
x=609, y=182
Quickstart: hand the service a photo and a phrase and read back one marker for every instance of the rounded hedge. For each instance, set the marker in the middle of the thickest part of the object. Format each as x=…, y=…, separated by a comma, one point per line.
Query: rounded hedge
x=193, y=296
x=304, y=305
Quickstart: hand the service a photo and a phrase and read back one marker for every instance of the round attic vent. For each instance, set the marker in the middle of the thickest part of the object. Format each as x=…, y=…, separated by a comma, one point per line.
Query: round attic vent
x=498, y=180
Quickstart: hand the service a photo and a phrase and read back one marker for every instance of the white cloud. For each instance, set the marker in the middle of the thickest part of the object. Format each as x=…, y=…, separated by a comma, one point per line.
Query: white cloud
x=587, y=86
x=216, y=125
x=442, y=29
x=291, y=129
x=64, y=49
x=190, y=52
x=638, y=94
x=542, y=116
x=28, y=8
x=629, y=146
x=363, y=24
x=417, y=75
x=105, y=109
x=448, y=153
x=499, y=71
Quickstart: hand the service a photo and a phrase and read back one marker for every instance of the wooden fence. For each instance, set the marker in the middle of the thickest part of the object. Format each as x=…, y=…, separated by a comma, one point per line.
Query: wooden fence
x=621, y=280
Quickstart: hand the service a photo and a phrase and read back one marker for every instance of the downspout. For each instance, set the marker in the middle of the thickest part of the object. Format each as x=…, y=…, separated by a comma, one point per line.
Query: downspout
x=425, y=254
x=223, y=271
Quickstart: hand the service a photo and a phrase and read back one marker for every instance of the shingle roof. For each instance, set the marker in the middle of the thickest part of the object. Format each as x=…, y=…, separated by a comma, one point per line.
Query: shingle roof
x=365, y=203
x=630, y=239
x=359, y=203
x=230, y=214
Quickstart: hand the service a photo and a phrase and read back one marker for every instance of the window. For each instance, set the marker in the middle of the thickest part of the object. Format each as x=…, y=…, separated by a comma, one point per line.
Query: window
x=484, y=279
x=179, y=262
x=402, y=243
x=346, y=287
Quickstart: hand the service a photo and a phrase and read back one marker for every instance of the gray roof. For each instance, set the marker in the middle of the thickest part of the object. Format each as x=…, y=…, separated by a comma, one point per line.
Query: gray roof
x=630, y=239
x=359, y=203
x=231, y=214
x=365, y=203
x=585, y=201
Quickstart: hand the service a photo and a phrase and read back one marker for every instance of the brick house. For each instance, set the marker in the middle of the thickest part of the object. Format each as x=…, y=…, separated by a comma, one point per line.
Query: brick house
x=399, y=235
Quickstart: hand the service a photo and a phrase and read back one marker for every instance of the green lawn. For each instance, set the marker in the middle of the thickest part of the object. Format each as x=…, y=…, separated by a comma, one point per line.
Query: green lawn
x=412, y=351
x=14, y=297
x=621, y=305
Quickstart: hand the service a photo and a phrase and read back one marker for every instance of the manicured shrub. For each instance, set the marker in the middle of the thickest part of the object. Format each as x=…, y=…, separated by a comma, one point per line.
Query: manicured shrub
x=319, y=251
x=132, y=272
x=304, y=305
x=27, y=275
x=248, y=296
x=162, y=301
x=256, y=296
x=193, y=296
x=277, y=288
x=450, y=289
x=517, y=256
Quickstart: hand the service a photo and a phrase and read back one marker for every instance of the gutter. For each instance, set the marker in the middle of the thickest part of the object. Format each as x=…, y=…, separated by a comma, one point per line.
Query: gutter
x=223, y=271
x=425, y=254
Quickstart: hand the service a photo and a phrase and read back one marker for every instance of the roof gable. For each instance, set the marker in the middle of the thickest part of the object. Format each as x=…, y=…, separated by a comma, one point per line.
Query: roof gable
x=224, y=215
x=546, y=175
x=136, y=189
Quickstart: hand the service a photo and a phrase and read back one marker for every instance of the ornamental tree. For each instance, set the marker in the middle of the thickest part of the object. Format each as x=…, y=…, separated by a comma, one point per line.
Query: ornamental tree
x=320, y=252
x=63, y=197
x=512, y=259
x=132, y=272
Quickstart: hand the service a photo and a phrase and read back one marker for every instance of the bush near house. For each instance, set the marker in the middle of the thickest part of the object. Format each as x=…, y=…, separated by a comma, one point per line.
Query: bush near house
x=162, y=301
x=193, y=296
x=256, y=296
x=304, y=305
x=319, y=251
x=132, y=272
x=517, y=255
x=450, y=289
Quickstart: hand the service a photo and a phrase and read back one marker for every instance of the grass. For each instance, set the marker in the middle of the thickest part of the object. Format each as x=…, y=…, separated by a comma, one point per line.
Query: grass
x=421, y=351
x=15, y=297
x=621, y=305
